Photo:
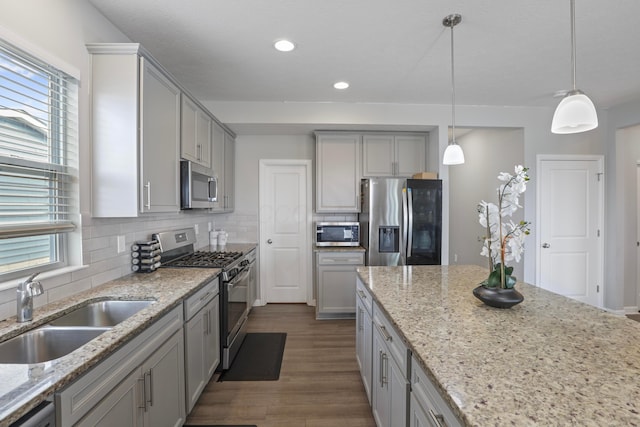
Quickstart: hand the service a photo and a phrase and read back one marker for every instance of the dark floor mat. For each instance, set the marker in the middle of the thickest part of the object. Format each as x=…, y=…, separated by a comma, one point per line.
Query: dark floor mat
x=259, y=358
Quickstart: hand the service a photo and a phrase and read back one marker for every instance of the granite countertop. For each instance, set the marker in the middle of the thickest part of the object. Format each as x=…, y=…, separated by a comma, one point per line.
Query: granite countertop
x=547, y=361
x=23, y=386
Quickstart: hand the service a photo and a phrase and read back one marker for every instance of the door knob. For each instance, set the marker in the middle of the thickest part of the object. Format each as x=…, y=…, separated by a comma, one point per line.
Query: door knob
x=269, y=241
x=546, y=245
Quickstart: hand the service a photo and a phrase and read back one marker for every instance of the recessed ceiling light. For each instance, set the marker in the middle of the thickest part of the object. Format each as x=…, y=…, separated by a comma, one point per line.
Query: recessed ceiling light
x=284, y=45
x=341, y=85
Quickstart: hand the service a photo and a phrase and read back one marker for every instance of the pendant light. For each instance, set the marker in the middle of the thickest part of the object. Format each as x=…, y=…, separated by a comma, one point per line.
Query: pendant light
x=453, y=155
x=575, y=113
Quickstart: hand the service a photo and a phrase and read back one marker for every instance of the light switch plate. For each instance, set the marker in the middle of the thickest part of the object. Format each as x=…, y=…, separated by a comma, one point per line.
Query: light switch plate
x=196, y=228
x=121, y=243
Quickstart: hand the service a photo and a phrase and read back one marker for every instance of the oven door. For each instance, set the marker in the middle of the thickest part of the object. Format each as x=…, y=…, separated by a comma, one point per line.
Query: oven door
x=237, y=293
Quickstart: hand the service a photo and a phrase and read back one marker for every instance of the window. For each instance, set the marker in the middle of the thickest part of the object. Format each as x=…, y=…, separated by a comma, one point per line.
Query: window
x=38, y=163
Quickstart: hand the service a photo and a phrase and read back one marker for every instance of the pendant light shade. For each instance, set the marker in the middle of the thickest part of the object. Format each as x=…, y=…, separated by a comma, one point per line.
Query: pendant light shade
x=575, y=113
x=453, y=155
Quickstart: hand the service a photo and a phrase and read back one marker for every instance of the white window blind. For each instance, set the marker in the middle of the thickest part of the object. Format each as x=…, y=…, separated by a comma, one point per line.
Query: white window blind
x=38, y=161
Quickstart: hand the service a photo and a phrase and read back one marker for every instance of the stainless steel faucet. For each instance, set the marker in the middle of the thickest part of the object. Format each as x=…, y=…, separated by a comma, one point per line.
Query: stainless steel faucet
x=25, y=293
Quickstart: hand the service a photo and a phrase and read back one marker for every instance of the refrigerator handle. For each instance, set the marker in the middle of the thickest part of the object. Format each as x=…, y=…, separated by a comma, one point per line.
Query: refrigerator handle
x=410, y=231
x=405, y=224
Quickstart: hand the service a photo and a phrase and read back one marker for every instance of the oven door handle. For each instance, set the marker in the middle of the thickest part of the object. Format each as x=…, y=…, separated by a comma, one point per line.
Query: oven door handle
x=239, y=278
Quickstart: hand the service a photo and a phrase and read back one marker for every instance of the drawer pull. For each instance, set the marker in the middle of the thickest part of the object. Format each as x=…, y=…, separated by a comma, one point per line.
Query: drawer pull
x=205, y=296
x=383, y=331
x=384, y=362
x=362, y=294
x=438, y=419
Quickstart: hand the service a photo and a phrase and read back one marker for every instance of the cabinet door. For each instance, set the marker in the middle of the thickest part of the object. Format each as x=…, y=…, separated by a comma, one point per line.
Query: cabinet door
x=363, y=345
x=164, y=384
x=120, y=407
x=338, y=173
x=380, y=390
x=378, y=156
x=195, y=344
x=399, y=394
x=188, y=144
x=337, y=289
x=203, y=138
x=212, y=338
x=159, y=142
x=229, y=172
x=217, y=163
x=418, y=417
x=410, y=154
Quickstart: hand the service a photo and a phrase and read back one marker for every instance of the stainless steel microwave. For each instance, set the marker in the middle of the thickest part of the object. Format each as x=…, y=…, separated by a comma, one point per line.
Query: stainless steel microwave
x=337, y=234
x=198, y=188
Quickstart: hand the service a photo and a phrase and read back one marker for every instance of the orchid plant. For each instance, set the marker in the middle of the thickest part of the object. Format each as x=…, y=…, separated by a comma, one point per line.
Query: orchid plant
x=504, y=240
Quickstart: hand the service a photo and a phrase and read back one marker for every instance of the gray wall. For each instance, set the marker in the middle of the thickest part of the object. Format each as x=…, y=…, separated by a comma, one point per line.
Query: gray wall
x=487, y=153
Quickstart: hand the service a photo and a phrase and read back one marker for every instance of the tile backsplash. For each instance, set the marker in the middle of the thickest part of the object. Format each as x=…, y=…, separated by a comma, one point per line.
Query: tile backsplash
x=103, y=263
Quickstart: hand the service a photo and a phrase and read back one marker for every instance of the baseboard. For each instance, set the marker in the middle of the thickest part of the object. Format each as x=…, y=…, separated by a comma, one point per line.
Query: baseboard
x=631, y=310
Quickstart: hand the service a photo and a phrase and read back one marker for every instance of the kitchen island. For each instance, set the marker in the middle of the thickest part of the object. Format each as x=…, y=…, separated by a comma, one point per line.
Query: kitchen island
x=547, y=361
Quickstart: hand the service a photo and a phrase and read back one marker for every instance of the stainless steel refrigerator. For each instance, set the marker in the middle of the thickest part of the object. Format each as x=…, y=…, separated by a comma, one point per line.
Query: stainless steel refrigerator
x=401, y=221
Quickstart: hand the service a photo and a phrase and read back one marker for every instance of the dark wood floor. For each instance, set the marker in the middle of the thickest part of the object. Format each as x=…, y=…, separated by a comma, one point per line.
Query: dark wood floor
x=319, y=383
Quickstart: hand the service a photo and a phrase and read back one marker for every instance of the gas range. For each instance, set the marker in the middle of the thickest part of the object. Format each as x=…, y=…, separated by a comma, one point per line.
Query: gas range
x=178, y=251
x=205, y=259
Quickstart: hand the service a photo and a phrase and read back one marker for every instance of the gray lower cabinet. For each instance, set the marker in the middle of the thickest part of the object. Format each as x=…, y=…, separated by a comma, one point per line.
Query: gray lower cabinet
x=364, y=335
x=428, y=408
x=336, y=281
x=202, y=340
x=390, y=387
x=140, y=384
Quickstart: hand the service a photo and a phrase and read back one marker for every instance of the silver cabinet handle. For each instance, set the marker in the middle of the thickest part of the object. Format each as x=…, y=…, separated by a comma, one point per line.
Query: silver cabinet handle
x=385, y=368
x=269, y=241
x=148, y=187
x=151, y=387
x=438, y=419
x=546, y=245
x=384, y=332
x=143, y=404
x=362, y=294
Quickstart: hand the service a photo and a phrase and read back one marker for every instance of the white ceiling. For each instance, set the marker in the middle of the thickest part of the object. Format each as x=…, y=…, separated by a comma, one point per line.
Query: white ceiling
x=507, y=52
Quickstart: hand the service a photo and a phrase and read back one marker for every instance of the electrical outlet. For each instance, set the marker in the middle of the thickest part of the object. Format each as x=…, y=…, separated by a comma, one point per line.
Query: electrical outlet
x=455, y=258
x=197, y=228
x=209, y=226
x=121, y=244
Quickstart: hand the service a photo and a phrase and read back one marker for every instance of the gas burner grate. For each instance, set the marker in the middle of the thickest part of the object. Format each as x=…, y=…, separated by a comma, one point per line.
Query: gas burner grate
x=205, y=259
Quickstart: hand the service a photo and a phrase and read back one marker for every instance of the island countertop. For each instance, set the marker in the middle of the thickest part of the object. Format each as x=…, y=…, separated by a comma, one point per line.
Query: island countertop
x=547, y=361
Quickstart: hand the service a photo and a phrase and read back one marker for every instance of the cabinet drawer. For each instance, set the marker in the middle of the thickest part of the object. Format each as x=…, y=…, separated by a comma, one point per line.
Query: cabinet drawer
x=364, y=295
x=396, y=345
x=426, y=394
x=195, y=302
x=341, y=258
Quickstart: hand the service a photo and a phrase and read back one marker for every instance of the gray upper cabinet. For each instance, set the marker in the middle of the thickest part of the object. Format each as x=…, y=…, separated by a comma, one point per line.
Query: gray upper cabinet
x=195, y=141
x=393, y=155
x=337, y=172
x=135, y=126
x=229, y=172
x=223, y=163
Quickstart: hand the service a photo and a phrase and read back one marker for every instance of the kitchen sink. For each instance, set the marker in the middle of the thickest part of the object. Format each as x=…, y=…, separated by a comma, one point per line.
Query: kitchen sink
x=45, y=343
x=101, y=314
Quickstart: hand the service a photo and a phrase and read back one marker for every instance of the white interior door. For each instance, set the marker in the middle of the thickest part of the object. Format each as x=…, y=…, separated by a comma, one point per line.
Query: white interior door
x=570, y=209
x=285, y=230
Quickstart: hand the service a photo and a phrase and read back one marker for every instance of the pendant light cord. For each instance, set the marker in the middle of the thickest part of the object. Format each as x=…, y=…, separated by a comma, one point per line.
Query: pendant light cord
x=573, y=42
x=453, y=93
